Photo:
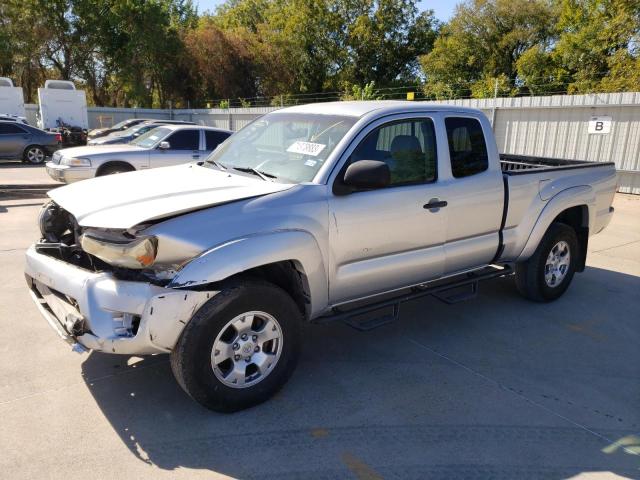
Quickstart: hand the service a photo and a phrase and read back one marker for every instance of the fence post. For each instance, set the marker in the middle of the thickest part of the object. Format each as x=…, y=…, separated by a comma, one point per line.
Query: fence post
x=493, y=112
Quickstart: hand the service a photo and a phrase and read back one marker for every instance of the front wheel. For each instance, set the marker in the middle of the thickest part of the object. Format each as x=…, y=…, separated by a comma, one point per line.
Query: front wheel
x=549, y=271
x=240, y=348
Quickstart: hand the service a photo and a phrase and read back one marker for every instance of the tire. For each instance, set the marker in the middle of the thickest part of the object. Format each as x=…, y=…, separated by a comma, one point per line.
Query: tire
x=34, y=154
x=192, y=359
x=543, y=278
x=116, y=168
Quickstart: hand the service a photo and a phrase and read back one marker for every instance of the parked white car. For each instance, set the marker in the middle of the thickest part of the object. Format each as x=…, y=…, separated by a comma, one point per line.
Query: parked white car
x=161, y=147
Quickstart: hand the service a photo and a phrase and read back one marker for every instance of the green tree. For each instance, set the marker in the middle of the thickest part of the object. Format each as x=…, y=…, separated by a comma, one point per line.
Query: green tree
x=484, y=40
x=594, y=37
x=594, y=48
x=220, y=62
x=302, y=46
x=357, y=92
x=383, y=40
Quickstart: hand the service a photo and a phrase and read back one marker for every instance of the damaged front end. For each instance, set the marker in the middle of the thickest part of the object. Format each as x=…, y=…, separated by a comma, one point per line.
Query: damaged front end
x=86, y=284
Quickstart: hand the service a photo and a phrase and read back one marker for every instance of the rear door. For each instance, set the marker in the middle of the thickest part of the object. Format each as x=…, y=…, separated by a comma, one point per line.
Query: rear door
x=13, y=140
x=475, y=194
x=184, y=147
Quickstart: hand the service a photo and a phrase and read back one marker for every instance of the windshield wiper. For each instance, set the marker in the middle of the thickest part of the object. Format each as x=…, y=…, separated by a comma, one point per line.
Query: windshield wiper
x=263, y=175
x=217, y=164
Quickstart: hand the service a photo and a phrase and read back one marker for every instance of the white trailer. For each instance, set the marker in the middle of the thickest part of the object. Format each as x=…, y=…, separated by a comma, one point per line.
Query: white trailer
x=59, y=100
x=11, y=99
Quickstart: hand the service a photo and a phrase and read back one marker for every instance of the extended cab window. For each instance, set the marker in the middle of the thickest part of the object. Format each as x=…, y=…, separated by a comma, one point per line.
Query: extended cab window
x=408, y=147
x=214, y=138
x=467, y=148
x=185, y=140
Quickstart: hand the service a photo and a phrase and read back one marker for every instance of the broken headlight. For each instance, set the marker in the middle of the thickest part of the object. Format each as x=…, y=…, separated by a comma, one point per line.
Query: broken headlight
x=54, y=222
x=137, y=253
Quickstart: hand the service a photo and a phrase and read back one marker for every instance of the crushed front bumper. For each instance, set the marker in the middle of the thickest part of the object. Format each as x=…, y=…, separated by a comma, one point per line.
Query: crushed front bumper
x=99, y=312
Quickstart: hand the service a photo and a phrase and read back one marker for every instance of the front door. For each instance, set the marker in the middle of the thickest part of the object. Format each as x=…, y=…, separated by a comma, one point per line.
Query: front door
x=184, y=147
x=386, y=239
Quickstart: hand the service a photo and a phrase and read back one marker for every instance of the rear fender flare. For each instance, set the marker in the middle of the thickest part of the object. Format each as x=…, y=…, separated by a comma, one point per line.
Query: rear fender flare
x=571, y=197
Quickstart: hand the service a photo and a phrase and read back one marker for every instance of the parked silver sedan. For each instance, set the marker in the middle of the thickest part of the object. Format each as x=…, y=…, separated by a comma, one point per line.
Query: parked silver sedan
x=31, y=144
x=161, y=147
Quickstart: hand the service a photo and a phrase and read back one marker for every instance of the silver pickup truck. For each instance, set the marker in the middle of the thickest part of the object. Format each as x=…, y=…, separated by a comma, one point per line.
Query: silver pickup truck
x=314, y=213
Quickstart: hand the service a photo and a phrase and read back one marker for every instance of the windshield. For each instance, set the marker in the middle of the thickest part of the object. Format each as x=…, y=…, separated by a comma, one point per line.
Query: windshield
x=151, y=138
x=138, y=129
x=121, y=124
x=290, y=147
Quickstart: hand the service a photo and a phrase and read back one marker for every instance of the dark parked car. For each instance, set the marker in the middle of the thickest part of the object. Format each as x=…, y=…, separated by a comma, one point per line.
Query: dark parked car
x=118, y=127
x=133, y=132
x=29, y=143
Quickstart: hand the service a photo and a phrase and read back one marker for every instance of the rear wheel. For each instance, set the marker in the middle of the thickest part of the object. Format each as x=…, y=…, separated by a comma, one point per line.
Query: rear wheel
x=34, y=154
x=240, y=347
x=549, y=271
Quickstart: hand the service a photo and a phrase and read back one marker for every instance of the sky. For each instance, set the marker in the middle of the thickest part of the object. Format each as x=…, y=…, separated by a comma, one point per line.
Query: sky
x=443, y=8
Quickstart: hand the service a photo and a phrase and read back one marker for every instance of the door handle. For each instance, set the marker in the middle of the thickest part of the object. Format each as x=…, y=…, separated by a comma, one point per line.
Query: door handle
x=195, y=156
x=434, y=204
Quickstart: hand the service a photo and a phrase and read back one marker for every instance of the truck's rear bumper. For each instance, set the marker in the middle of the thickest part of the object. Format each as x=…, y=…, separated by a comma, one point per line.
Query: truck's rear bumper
x=100, y=312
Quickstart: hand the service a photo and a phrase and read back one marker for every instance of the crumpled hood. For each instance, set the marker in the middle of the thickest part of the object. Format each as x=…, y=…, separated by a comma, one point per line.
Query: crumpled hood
x=93, y=150
x=127, y=199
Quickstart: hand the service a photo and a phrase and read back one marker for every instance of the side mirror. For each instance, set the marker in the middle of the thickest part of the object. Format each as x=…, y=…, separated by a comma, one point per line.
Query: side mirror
x=364, y=174
x=164, y=146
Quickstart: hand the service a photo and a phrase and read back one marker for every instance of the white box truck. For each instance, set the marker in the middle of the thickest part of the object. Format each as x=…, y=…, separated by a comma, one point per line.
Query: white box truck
x=64, y=109
x=11, y=99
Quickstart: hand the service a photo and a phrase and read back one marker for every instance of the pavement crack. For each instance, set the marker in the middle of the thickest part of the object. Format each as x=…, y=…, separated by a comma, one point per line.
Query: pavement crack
x=512, y=391
x=615, y=246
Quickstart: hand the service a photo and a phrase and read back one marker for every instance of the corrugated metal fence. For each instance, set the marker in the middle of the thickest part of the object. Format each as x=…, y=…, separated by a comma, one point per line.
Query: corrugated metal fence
x=554, y=126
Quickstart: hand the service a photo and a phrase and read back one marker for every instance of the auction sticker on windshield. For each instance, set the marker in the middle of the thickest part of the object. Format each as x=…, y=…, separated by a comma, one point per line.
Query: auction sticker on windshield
x=306, y=148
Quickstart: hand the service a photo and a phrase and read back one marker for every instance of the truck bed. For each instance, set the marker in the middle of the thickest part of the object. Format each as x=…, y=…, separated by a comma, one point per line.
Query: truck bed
x=523, y=164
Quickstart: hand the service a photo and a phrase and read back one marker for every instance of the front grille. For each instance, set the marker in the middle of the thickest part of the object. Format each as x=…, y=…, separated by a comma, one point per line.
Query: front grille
x=57, y=156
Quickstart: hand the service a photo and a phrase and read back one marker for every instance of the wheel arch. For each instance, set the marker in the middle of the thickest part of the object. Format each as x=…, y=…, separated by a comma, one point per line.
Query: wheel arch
x=113, y=163
x=572, y=207
x=577, y=217
x=290, y=259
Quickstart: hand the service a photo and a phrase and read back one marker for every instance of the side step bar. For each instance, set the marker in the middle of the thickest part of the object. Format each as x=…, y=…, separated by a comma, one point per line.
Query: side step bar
x=457, y=289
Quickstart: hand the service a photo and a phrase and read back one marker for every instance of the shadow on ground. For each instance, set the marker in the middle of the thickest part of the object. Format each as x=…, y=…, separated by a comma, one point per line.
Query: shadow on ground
x=497, y=387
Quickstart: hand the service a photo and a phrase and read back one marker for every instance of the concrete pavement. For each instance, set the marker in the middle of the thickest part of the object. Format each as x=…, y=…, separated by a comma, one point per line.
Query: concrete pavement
x=17, y=173
x=497, y=387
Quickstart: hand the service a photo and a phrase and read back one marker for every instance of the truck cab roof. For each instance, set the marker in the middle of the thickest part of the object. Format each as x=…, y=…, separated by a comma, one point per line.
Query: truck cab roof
x=382, y=107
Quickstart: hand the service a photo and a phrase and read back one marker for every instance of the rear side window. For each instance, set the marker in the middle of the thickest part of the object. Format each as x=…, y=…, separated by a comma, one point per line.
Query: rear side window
x=214, y=138
x=467, y=148
x=185, y=140
x=10, y=128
